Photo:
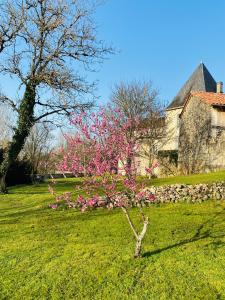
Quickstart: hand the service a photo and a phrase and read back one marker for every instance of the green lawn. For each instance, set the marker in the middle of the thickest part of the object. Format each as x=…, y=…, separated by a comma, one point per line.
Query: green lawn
x=191, y=179
x=47, y=254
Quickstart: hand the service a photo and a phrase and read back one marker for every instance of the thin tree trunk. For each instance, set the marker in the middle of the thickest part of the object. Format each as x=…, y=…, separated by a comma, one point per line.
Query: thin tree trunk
x=128, y=167
x=24, y=124
x=130, y=222
x=139, y=237
x=137, y=252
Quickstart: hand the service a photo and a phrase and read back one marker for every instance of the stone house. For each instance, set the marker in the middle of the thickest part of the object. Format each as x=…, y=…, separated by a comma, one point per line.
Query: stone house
x=202, y=132
x=194, y=127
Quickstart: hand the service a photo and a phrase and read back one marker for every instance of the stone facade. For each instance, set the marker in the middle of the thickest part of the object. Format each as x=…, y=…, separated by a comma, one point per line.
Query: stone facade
x=202, y=138
x=194, y=128
x=172, y=129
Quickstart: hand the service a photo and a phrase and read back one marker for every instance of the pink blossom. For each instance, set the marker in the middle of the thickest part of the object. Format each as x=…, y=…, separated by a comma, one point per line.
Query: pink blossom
x=53, y=206
x=101, y=140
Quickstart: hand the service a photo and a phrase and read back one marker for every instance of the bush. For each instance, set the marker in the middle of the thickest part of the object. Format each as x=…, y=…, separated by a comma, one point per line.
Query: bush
x=19, y=172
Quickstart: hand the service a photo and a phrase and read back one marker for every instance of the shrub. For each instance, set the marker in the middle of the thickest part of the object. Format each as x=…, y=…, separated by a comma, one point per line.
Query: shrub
x=19, y=172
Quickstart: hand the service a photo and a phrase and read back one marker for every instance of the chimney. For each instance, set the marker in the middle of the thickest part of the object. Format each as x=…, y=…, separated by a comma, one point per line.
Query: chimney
x=219, y=87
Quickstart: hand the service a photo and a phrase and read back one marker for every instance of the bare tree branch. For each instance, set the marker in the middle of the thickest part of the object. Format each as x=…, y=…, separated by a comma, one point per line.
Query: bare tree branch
x=49, y=42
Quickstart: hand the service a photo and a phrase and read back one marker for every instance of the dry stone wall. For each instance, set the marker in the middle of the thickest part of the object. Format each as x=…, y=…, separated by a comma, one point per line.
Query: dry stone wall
x=189, y=193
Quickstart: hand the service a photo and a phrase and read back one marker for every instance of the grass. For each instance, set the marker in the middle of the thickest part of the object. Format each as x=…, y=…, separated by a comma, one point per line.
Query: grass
x=46, y=254
x=191, y=179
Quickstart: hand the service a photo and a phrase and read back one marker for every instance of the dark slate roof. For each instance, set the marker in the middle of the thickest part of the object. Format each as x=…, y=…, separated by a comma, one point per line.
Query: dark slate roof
x=200, y=81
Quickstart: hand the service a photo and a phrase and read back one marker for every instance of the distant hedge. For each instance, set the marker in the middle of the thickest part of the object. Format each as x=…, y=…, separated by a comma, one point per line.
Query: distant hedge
x=19, y=172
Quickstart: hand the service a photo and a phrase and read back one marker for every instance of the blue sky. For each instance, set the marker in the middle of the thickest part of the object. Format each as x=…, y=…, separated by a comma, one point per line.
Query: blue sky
x=162, y=41
x=158, y=40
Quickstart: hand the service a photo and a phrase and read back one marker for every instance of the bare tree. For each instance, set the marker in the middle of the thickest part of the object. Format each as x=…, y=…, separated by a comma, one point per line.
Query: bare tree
x=152, y=140
x=136, y=99
x=38, y=147
x=11, y=23
x=140, y=100
x=52, y=42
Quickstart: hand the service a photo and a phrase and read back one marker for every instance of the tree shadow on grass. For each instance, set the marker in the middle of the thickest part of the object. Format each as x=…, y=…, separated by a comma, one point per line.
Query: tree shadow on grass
x=28, y=190
x=40, y=189
x=199, y=235
x=45, y=211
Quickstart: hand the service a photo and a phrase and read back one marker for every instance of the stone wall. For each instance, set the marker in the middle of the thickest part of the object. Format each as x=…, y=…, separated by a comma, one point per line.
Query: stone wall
x=189, y=193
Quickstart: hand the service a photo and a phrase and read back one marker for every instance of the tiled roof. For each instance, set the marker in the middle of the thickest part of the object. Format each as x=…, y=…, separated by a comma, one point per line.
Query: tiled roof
x=210, y=98
x=200, y=80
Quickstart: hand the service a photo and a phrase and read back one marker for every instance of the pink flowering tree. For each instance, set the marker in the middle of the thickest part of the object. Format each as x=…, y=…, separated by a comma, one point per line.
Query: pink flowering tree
x=104, y=152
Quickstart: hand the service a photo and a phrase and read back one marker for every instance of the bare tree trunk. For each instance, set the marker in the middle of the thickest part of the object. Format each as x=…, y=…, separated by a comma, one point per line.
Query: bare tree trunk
x=139, y=237
x=137, y=252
